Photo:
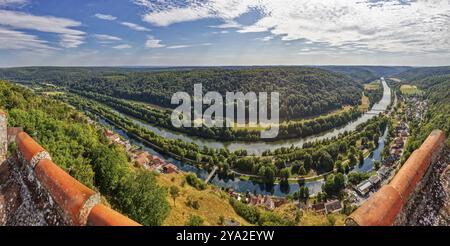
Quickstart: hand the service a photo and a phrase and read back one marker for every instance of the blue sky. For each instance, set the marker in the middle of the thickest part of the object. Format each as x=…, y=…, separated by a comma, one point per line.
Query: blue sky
x=224, y=32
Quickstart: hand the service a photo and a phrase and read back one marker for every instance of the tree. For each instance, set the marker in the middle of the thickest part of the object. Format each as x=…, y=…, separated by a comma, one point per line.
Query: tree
x=109, y=167
x=308, y=161
x=353, y=178
x=339, y=167
x=174, y=193
x=377, y=165
x=302, y=194
x=331, y=220
x=142, y=198
x=221, y=220
x=194, y=220
x=352, y=160
x=326, y=162
x=334, y=184
x=285, y=173
x=361, y=158
x=269, y=175
x=321, y=197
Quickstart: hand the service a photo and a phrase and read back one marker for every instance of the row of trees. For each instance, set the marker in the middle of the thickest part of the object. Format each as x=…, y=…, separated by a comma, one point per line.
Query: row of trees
x=321, y=156
x=162, y=118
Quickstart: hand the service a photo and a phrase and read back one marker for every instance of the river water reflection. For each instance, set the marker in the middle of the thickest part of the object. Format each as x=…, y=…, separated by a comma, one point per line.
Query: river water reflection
x=257, y=148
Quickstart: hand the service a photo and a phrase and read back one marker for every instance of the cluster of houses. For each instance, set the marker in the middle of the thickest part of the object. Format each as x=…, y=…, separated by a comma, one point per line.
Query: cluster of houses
x=268, y=202
x=368, y=185
x=115, y=139
x=418, y=110
x=395, y=152
x=402, y=133
x=141, y=157
x=333, y=206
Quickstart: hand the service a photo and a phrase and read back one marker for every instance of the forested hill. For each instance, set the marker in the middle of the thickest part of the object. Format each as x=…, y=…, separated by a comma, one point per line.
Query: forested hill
x=366, y=73
x=304, y=91
x=436, y=88
x=420, y=73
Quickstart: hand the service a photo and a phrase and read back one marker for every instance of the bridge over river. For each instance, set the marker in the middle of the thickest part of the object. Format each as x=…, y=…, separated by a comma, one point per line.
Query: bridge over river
x=257, y=148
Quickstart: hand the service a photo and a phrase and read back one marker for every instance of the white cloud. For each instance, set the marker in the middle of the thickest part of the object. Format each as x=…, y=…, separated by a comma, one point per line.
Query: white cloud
x=228, y=24
x=265, y=39
x=70, y=40
x=105, y=17
x=11, y=39
x=165, y=13
x=105, y=37
x=178, y=46
x=135, y=27
x=181, y=46
x=389, y=26
x=122, y=46
x=12, y=2
x=69, y=37
x=153, y=43
x=176, y=15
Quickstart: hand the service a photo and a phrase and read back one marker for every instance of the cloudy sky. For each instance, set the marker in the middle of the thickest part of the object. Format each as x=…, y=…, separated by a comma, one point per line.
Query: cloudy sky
x=224, y=32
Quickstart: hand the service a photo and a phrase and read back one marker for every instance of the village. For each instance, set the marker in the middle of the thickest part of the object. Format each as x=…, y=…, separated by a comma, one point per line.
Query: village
x=414, y=110
x=355, y=195
x=389, y=165
x=140, y=157
x=151, y=162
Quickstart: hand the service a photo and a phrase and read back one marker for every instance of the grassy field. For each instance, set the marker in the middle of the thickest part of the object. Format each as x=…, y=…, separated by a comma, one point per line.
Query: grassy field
x=260, y=127
x=213, y=203
x=396, y=80
x=375, y=85
x=309, y=218
x=364, y=103
x=409, y=90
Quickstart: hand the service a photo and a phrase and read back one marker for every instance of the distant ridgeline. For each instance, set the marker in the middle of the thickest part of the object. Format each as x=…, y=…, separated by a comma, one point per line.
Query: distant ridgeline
x=304, y=91
x=366, y=73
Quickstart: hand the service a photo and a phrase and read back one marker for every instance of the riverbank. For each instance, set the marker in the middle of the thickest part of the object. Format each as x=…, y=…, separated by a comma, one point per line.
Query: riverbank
x=241, y=183
x=257, y=148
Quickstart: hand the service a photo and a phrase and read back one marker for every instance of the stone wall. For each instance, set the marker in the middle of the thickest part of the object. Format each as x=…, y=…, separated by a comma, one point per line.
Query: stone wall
x=36, y=191
x=3, y=136
x=386, y=207
x=78, y=204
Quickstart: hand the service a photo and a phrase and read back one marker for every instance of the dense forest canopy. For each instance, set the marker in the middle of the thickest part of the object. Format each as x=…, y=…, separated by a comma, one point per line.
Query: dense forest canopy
x=435, y=83
x=417, y=74
x=366, y=73
x=304, y=91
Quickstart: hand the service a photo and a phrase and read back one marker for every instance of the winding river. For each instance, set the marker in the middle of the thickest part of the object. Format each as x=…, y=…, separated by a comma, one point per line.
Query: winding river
x=257, y=148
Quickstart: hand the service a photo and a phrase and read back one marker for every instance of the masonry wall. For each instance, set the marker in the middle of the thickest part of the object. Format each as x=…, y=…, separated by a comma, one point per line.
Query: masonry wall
x=3, y=136
x=385, y=206
x=78, y=204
